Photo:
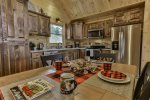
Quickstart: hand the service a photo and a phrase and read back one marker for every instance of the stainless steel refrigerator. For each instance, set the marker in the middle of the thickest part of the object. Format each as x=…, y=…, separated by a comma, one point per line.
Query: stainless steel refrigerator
x=129, y=40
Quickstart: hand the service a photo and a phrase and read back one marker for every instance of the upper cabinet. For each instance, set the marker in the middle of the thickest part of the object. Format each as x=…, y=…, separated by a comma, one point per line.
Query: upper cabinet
x=134, y=15
x=77, y=30
x=33, y=23
x=44, y=26
x=39, y=24
x=14, y=19
x=105, y=26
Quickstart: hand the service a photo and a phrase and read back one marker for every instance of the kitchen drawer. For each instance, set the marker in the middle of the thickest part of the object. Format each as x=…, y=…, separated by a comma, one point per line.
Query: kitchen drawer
x=37, y=55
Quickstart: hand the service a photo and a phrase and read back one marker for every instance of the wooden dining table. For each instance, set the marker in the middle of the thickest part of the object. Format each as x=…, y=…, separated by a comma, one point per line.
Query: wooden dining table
x=93, y=88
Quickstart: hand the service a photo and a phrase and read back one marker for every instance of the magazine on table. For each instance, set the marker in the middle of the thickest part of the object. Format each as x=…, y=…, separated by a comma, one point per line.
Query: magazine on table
x=31, y=90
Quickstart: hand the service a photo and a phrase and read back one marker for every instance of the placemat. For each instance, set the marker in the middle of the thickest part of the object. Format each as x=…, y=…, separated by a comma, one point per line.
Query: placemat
x=79, y=79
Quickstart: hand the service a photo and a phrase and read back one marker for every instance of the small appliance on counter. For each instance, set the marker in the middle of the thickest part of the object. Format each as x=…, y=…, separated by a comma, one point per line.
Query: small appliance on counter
x=40, y=46
x=76, y=44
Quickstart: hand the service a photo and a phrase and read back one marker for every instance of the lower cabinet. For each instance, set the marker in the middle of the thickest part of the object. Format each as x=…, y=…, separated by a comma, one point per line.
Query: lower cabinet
x=36, y=60
x=36, y=63
x=16, y=57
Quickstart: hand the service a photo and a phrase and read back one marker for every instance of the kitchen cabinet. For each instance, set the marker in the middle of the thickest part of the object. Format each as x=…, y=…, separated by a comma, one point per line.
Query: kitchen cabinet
x=38, y=24
x=85, y=30
x=136, y=15
x=120, y=18
x=14, y=46
x=77, y=30
x=96, y=25
x=104, y=25
x=107, y=28
x=17, y=16
x=36, y=60
x=44, y=26
x=36, y=63
x=33, y=23
x=1, y=59
x=68, y=31
x=131, y=16
x=16, y=57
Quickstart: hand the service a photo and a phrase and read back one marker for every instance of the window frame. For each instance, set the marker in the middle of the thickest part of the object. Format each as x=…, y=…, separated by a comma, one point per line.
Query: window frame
x=61, y=34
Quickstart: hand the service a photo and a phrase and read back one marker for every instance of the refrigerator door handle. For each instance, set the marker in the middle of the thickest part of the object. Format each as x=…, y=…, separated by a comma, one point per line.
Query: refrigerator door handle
x=121, y=46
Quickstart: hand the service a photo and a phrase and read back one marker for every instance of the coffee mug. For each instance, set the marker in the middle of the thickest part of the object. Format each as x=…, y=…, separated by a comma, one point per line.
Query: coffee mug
x=107, y=66
x=58, y=65
x=68, y=83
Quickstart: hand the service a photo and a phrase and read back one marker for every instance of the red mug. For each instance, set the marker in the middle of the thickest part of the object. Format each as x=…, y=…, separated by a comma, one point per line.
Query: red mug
x=107, y=66
x=58, y=65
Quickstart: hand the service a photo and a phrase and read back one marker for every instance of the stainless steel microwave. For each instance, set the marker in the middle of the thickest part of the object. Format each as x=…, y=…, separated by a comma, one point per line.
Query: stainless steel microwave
x=96, y=33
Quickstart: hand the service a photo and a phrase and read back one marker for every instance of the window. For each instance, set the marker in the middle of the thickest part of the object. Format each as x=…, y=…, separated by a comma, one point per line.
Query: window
x=56, y=34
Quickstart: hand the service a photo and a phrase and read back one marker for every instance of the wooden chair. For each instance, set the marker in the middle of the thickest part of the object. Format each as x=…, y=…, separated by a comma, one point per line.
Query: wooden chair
x=51, y=58
x=142, y=89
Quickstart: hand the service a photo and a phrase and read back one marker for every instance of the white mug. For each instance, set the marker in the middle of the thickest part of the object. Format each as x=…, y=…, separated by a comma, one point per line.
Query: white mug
x=68, y=83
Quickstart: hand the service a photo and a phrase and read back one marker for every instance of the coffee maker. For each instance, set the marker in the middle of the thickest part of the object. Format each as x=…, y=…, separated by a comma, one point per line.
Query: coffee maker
x=40, y=46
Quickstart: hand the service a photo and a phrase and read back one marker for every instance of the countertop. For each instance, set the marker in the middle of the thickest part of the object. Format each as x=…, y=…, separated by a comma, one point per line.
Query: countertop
x=61, y=49
x=92, y=89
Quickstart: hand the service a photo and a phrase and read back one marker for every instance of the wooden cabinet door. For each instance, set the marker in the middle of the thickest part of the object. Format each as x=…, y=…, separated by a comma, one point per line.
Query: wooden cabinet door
x=44, y=26
x=1, y=59
x=120, y=18
x=77, y=29
x=36, y=60
x=107, y=28
x=10, y=18
x=136, y=15
x=33, y=23
x=16, y=55
x=68, y=31
x=20, y=18
x=36, y=63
